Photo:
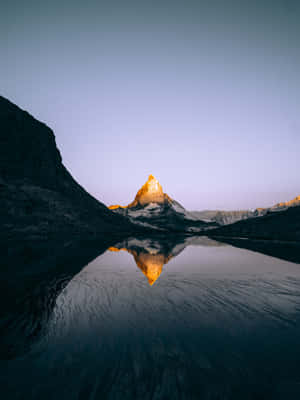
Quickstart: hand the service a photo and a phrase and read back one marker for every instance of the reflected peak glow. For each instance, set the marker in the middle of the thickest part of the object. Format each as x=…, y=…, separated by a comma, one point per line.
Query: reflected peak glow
x=151, y=254
x=149, y=262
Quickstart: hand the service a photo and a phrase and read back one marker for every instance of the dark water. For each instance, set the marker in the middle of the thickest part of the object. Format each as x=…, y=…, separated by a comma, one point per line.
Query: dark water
x=196, y=320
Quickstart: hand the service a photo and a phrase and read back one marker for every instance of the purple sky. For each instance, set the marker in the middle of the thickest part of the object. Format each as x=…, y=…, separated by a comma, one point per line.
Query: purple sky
x=203, y=95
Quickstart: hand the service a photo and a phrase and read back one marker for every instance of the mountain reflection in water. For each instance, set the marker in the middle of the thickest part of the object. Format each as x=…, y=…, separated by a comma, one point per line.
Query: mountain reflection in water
x=152, y=254
x=220, y=323
x=150, y=263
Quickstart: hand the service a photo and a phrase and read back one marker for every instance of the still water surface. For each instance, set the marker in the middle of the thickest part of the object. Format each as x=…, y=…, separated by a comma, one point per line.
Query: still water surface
x=200, y=320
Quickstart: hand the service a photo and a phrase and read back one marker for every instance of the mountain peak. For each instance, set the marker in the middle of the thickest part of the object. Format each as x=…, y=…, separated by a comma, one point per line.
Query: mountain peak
x=150, y=192
x=152, y=185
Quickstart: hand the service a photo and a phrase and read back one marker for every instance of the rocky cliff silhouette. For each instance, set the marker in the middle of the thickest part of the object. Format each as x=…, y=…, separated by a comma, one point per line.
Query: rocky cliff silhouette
x=38, y=196
x=50, y=227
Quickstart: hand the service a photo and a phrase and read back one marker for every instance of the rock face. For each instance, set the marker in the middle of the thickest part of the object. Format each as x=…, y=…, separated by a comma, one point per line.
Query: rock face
x=38, y=196
x=153, y=207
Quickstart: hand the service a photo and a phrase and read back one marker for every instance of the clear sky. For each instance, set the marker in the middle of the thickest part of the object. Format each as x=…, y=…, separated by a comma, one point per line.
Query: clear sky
x=204, y=95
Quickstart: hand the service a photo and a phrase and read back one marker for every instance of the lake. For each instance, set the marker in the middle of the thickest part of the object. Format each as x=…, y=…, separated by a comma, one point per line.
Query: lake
x=160, y=319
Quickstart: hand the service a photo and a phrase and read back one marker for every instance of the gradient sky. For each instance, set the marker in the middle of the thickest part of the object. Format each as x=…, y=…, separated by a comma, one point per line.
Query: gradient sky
x=204, y=95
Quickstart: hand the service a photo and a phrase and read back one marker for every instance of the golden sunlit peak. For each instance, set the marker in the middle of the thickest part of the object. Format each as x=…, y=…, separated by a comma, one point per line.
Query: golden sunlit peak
x=153, y=184
x=150, y=192
x=152, y=178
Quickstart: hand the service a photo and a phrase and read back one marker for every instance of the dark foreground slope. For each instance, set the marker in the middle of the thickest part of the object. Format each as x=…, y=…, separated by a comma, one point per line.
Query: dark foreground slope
x=279, y=225
x=38, y=196
x=50, y=227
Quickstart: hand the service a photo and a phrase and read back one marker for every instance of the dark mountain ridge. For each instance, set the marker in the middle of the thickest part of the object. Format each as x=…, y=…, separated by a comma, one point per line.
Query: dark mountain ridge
x=38, y=196
x=223, y=217
x=276, y=225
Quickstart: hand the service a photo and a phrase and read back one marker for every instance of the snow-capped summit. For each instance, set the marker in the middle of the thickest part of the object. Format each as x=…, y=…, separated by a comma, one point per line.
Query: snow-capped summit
x=152, y=206
x=150, y=192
